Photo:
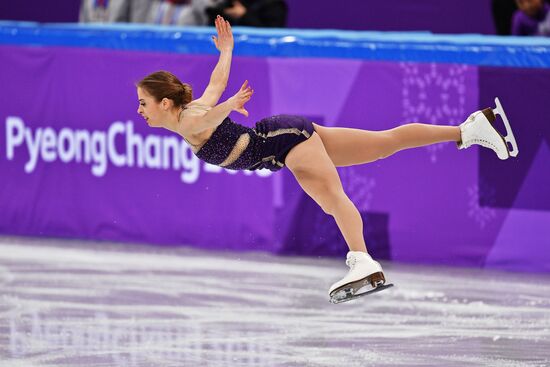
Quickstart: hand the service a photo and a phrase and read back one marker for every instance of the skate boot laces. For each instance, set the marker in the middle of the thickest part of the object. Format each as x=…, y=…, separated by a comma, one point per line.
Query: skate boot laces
x=482, y=142
x=351, y=261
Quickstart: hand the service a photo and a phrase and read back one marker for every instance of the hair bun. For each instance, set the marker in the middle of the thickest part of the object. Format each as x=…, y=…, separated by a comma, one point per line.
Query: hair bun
x=163, y=84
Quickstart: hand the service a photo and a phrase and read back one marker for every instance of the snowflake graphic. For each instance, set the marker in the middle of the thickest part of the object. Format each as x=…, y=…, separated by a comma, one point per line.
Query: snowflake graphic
x=434, y=94
x=481, y=215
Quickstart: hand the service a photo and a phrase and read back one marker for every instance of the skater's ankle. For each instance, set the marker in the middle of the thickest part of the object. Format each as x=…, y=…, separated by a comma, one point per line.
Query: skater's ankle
x=459, y=132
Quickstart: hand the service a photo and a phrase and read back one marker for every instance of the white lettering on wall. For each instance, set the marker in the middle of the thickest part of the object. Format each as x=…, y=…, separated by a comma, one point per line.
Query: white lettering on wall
x=119, y=146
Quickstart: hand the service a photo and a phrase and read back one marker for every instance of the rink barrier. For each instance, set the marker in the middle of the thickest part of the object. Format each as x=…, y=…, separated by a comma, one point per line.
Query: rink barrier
x=470, y=49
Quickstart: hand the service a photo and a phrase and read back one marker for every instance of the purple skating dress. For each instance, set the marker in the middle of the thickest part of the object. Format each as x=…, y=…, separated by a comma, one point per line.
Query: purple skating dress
x=237, y=147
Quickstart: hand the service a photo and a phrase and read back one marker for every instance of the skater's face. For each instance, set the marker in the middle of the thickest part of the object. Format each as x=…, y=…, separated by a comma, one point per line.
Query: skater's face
x=530, y=7
x=151, y=110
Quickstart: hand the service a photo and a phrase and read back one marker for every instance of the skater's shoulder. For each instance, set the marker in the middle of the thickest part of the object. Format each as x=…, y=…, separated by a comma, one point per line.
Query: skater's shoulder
x=196, y=108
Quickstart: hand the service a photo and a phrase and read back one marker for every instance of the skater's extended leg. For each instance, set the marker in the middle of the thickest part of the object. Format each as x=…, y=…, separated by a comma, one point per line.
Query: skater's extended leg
x=316, y=174
x=348, y=147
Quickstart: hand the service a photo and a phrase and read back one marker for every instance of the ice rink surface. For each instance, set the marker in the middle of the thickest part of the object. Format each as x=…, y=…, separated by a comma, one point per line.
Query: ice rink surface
x=73, y=303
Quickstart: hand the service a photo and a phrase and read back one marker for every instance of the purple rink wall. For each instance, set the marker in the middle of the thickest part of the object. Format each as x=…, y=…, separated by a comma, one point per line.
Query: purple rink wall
x=77, y=161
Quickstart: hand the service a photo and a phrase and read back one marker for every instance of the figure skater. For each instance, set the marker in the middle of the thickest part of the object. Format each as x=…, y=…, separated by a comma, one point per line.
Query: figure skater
x=310, y=151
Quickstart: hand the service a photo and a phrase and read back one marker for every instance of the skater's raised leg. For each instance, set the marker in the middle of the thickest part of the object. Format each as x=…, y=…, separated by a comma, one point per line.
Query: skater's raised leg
x=348, y=147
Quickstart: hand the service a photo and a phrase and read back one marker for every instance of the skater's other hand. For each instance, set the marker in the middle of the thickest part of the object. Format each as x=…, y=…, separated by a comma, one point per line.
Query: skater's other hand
x=241, y=97
x=224, y=42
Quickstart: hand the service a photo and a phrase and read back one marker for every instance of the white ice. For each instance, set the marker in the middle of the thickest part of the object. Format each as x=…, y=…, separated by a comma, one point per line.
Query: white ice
x=75, y=303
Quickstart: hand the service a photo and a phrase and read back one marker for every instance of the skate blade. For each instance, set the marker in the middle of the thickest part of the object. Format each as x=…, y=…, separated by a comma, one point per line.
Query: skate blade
x=374, y=280
x=509, y=138
x=348, y=294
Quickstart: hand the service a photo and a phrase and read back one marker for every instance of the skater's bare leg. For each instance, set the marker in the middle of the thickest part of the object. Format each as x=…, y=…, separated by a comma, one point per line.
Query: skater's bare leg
x=316, y=174
x=348, y=147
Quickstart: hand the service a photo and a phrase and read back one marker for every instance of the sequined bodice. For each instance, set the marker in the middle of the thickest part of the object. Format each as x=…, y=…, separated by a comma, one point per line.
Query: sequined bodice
x=229, y=143
x=234, y=146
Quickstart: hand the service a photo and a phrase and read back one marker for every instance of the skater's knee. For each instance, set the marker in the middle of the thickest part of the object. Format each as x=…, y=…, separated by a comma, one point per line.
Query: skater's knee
x=324, y=188
x=389, y=143
x=331, y=200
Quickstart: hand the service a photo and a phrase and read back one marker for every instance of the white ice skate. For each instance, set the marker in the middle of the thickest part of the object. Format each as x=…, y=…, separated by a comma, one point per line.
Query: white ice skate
x=364, y=271
x=478, y=129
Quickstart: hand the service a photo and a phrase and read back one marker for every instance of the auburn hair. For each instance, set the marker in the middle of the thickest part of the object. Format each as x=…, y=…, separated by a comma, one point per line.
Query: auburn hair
x=164, y=84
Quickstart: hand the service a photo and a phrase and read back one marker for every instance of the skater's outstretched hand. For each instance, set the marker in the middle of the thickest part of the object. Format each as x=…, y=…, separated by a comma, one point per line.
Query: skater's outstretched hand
x=224, y=41
x=240, y=98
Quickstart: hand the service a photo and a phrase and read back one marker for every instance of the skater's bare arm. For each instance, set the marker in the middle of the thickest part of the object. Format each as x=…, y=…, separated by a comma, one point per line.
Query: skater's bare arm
x=220, y=75
x=216, y=115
